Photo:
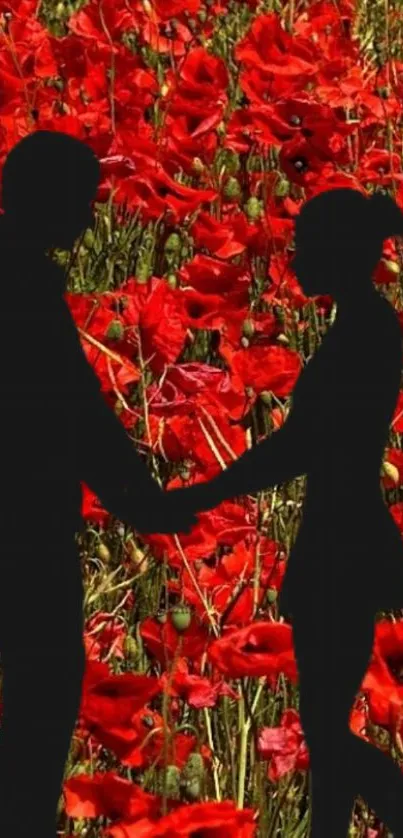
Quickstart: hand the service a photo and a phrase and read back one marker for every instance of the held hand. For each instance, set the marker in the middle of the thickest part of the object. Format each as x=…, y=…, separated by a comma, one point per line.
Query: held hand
x=169, y=514
x=200, y=497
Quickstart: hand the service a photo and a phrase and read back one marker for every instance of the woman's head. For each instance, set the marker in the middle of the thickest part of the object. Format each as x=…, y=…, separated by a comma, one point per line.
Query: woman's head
x=339, y=236
x=49, y=181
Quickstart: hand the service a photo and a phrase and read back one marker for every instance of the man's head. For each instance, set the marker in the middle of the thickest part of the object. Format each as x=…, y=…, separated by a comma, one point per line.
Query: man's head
x=49, y=182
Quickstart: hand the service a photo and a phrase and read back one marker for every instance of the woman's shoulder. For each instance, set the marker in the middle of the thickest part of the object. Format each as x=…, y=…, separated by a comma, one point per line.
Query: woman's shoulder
x=386, y=309
x=384, y=334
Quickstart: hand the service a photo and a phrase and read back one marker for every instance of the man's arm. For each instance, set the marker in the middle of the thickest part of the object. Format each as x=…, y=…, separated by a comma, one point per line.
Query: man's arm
x=121, y=480
x=108, y=461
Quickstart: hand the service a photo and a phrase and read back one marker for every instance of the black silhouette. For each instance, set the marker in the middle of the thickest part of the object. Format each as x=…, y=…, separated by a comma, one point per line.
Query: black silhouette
x=57, y=430
x=347, y=561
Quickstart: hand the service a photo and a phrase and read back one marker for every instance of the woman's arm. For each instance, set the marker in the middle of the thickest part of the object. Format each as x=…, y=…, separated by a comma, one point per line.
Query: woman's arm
x=279, y=458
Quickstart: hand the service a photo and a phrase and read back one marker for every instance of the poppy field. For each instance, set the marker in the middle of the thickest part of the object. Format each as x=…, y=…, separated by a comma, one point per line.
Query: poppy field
x=214, y=121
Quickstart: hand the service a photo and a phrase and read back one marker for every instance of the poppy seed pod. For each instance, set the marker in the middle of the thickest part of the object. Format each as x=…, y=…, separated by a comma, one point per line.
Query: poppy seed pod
x=172, y=782
x=115, y=330
x=193, y=789
x=181, y=617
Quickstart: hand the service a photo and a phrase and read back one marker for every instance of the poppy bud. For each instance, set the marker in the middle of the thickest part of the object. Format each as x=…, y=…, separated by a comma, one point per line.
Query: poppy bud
x=142, y=273
x=181, y=617
x=265, y=397
x=103, y=552
x=253, y=208
x=282, y=188
x=248, y=328
x=291, y=795
x=392, y=266
x=115, y=330
x=173, y=243
x=391, y=471
x=193, y=789
x=197, y=166
x=55, y=82
x=172, y=281
x=232, y=189
x=118, y=407
x=130, y=646
x=280, y=314
x=75, y=749
x=228, y=161
x=194, y=766
x=89, y=239
x=193, y=777
x=172, y=782
x=137, y=556
x=272, y=595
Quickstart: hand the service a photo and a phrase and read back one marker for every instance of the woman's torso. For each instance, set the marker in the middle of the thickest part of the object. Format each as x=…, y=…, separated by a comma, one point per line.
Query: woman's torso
x=347, y=536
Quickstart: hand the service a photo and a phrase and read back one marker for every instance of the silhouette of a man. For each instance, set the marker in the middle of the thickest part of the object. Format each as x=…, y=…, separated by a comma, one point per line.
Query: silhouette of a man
x=56, y=430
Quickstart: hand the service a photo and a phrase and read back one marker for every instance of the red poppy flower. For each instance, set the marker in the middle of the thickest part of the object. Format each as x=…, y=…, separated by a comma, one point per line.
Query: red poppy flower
x=268, y=46
x=383, y=683
x=107, y=794
x=200, y=820
x=284, y=746
x=263, y=648
x=267, y=368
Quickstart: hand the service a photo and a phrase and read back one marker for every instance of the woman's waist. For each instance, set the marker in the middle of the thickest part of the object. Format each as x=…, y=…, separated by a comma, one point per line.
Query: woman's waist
x=350, y=494
x=336, y=472
x=360, y=516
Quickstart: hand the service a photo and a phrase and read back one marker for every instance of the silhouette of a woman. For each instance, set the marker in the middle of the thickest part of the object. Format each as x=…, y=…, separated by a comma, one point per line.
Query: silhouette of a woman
x=347, y=561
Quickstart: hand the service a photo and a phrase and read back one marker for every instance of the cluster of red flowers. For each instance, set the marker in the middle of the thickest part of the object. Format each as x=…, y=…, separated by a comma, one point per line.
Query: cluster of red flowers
x=213, y=122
